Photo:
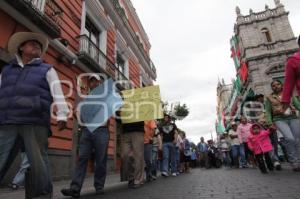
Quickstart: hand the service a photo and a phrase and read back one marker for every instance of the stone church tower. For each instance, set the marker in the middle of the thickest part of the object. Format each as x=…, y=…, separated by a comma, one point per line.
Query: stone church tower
x=266, y=40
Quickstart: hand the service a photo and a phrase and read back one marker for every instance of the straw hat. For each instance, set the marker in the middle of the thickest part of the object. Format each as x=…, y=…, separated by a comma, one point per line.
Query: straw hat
x=20, y=37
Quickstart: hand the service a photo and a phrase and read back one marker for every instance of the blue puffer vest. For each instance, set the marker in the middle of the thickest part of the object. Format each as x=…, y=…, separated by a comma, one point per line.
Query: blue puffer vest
x=25, y=96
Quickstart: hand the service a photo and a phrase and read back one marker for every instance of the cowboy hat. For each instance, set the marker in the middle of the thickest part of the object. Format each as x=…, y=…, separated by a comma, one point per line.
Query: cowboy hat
x=20, y=37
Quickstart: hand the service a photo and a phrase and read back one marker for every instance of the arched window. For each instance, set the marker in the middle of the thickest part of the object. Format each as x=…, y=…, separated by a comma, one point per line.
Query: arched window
x=267, y=35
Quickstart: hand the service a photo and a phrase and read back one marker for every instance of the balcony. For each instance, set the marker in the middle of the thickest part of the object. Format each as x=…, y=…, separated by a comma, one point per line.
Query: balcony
x=90, y=54
x=46, y=14
x=122, y=15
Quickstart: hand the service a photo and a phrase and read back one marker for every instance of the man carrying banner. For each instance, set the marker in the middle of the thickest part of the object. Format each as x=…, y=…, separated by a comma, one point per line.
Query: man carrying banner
x=97, y=142
x=132, y=147
x=140, y=105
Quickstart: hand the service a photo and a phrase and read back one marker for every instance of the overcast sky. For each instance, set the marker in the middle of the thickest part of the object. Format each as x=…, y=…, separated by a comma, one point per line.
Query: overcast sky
x=190, y=48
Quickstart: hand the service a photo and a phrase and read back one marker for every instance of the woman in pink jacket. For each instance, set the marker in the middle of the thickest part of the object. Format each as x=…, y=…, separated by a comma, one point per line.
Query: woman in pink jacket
x=260, y=143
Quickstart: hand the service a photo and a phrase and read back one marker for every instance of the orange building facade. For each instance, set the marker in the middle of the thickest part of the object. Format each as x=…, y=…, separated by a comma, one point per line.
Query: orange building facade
x=103, y=36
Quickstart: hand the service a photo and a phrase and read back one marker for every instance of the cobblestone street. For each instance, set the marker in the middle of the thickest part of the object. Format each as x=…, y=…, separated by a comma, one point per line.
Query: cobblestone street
x=199, y=184
x=217, y=183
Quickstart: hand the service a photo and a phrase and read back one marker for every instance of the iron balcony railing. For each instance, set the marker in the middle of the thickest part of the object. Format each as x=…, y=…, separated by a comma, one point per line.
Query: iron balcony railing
x=121, y=13
x=90, y=53
x=46, y=14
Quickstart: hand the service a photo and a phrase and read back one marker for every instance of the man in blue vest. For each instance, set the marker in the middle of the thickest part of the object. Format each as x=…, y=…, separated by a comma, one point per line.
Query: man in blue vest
x=28, y=87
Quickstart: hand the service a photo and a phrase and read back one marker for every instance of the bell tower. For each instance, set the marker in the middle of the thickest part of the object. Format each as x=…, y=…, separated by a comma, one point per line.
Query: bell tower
x=266, y=39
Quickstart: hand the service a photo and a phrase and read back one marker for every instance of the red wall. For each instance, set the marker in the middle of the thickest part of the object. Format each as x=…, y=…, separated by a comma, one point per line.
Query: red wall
x=70, y=29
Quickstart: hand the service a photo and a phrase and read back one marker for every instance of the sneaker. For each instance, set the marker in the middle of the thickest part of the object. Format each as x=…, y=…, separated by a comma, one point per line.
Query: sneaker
x=177, y=173
x=154, y=177
x=174, y=174
x=14, y=187
x=277, y=166
x=99, y=191
x=165, y=174
x=70, y=192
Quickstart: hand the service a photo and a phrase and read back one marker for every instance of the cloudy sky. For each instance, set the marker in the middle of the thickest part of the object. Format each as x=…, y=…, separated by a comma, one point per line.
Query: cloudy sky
x=190, y=48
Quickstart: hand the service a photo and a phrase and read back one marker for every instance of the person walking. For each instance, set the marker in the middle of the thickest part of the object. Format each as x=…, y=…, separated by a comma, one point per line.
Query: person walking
x=90, y=142
x=273, y=132
x=224, y=146
x=178, y=150
x=27, y=90
x=19, y=179
x=156, y=146
x=150, y=127
x=237, y=148
x=243, y=131
x=260, y=143
x=203, y=150
x=169, y=133
x=286, y=121
x=187, y=153
x=132, y=154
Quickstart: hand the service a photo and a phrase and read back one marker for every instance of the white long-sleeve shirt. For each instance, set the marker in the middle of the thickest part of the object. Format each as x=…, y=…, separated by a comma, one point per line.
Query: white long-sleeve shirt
x=55, y=89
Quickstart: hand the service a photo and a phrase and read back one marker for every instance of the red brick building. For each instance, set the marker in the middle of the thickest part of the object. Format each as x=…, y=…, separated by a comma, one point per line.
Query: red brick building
x=85, y=36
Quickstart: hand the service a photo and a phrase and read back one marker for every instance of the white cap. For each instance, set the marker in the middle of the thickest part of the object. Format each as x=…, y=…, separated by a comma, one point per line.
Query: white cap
x=97, y=77
x=233, y=123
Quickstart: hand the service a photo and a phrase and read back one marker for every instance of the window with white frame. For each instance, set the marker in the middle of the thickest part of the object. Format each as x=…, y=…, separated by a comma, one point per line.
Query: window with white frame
x=122, y=65
x=94, y=31
x=39, y=4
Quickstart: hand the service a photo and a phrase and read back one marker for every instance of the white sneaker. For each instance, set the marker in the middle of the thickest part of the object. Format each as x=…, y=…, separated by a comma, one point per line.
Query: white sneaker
x=174, y=174
x=165, y=174
x=277, y=166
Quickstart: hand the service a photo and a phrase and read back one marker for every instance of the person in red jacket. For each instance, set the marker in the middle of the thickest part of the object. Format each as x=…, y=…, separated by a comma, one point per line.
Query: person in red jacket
x=292, y=78
x=260, y=143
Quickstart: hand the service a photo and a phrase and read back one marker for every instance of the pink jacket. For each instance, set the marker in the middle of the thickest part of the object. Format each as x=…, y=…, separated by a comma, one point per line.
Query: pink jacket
x=292, y=77
x=260, y=143
x=243, y=132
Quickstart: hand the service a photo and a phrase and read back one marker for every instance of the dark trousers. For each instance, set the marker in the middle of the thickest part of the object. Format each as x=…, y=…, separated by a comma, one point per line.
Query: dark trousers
x=35, y=139
x=148, y=160
x=248, y=153
x=262, y=162
x=96, y=142
x=274, y=141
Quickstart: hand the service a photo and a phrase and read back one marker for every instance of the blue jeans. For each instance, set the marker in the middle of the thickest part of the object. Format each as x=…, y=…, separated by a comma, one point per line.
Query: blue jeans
x=154, y=162
x=19, y=178
x=177, y=159
x=290, y=130
x=89, y=142
x=35, y=139
x=239, y=152
x=226, y=158
x=169, y=157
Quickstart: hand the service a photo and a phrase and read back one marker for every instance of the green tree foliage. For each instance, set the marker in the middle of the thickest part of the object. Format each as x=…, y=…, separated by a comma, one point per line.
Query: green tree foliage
x=181, y=111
